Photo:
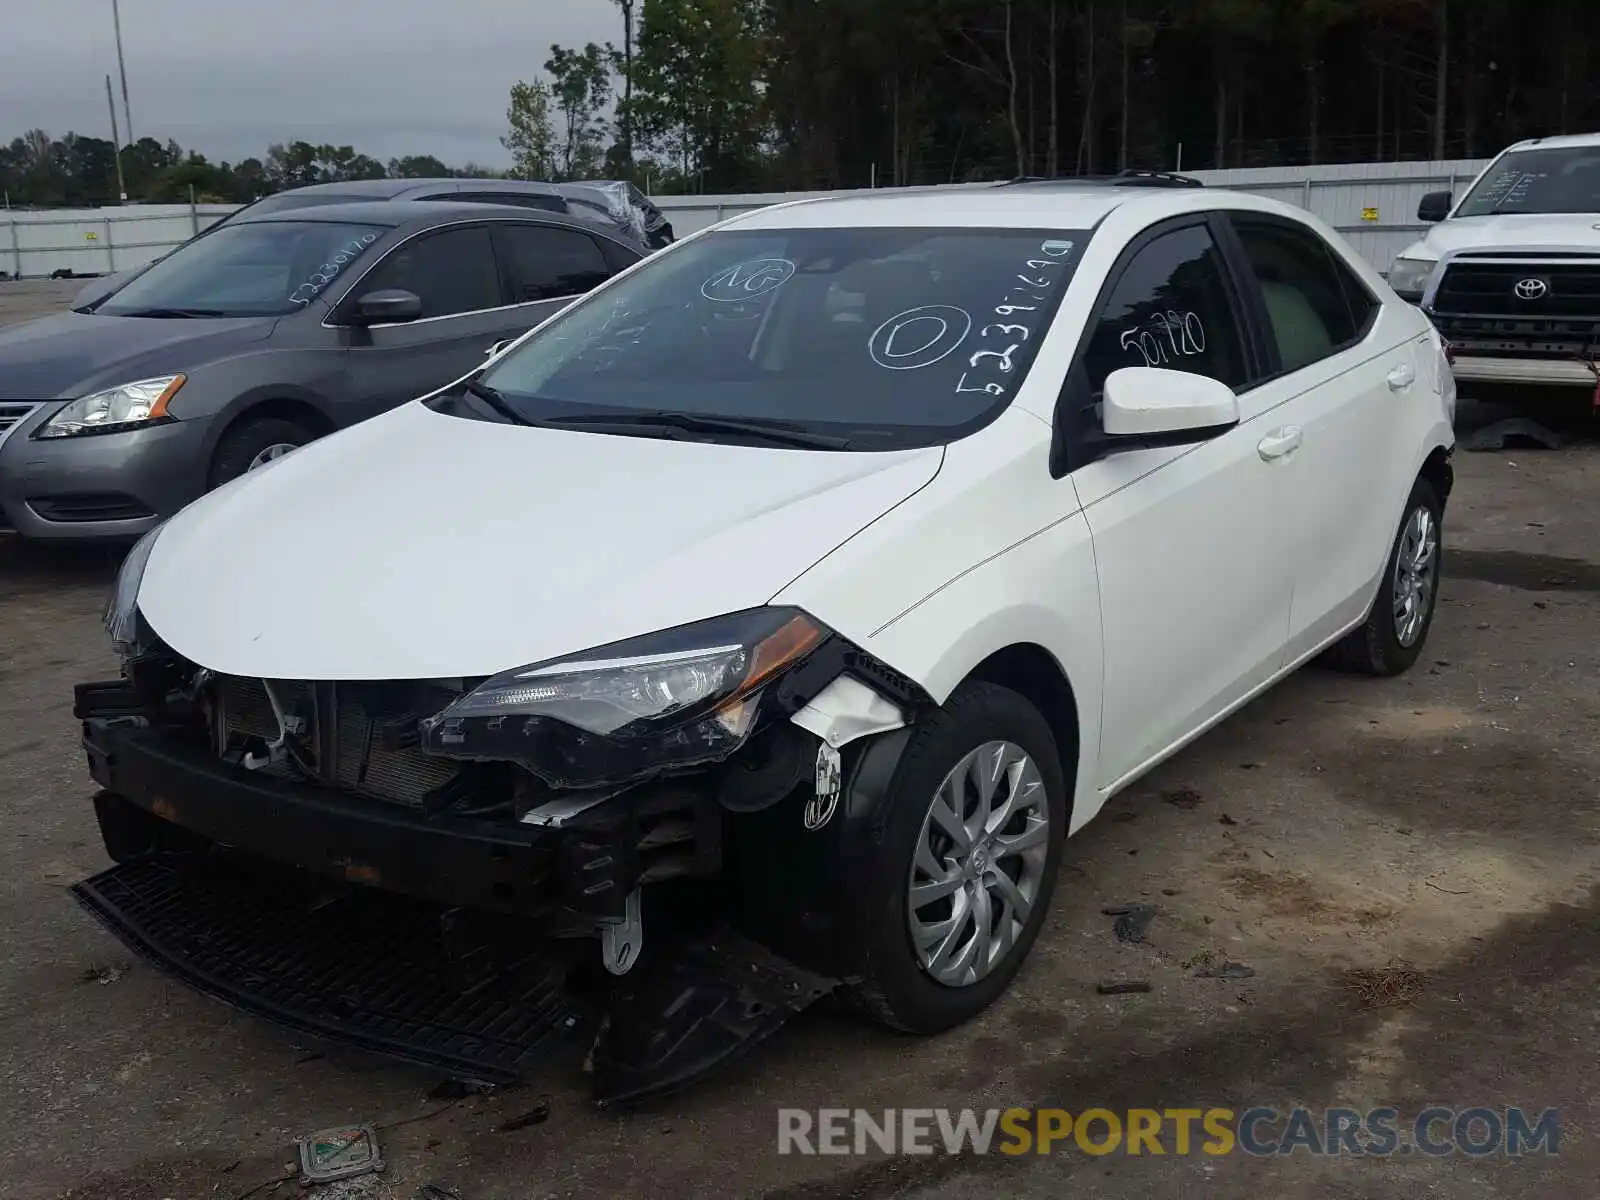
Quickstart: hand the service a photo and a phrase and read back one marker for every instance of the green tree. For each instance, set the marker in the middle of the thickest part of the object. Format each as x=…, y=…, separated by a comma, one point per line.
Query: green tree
x=292, y=166
x=622, y=159
x=580, y=86
x=531, y=140
x=417, y=166
x=695, y=85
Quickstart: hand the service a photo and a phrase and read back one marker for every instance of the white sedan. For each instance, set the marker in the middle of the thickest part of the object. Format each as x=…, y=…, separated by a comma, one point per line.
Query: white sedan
x=866, y=544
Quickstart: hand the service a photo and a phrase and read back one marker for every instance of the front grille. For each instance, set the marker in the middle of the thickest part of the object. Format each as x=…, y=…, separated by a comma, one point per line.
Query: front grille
x=347, y=740
x=1527, y=290
x=89, y=506
x=12, y=414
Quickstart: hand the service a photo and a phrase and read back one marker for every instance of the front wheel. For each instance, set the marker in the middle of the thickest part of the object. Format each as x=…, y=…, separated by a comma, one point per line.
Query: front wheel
x=967, y=863
x=252, y=444
x=1392, y=638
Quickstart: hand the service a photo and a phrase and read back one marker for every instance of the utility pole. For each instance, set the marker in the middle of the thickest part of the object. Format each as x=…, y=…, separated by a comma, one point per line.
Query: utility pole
x=116, y=142
x=122, y=68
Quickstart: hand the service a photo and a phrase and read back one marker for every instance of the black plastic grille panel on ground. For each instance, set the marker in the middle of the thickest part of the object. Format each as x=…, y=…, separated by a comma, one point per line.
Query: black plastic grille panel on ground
x=366, y=968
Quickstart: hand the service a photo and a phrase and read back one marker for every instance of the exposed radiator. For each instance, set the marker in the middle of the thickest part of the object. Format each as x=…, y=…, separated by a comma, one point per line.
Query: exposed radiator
x=341, y=741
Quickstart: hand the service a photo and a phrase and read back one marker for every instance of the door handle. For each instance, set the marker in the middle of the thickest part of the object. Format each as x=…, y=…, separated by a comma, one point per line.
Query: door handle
x=1280, y=443
x=1402, y=377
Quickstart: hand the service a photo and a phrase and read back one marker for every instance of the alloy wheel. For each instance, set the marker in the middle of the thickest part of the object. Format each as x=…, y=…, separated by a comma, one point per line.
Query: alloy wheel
x=1416, y=573
x=275, y=451
x=979, y=862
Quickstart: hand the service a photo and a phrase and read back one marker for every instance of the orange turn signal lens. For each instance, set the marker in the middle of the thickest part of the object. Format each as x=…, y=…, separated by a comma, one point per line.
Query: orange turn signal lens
x=159, y=408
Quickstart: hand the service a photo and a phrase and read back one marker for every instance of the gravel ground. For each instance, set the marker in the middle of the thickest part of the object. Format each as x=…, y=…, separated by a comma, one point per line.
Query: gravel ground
x=1440, y=827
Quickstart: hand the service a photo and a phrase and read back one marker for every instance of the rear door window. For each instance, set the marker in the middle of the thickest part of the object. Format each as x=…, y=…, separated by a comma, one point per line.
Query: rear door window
x=1307, y=300
x=546, y=263
x=554, y=204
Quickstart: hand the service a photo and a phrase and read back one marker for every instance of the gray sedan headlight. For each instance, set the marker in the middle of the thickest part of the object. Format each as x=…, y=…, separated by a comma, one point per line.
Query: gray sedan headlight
x=659, y=702
x=122, y=612
x=127, y=406
x=1409, y=276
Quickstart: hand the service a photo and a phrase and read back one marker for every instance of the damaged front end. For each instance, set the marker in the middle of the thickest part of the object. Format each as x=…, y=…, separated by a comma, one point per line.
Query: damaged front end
x=635, y=844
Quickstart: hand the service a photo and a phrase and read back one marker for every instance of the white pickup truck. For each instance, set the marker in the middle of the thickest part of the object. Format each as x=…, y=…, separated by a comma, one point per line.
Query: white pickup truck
x=1510, y=275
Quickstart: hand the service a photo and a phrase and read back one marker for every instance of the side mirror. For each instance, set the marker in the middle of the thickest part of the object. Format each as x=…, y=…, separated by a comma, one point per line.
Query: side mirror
x=1435, y=206
x=1150, y=406
x=388, y=306
x=498, y=347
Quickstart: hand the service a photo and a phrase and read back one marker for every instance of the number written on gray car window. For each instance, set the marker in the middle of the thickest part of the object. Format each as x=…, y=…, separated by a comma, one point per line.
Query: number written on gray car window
x=325, y=274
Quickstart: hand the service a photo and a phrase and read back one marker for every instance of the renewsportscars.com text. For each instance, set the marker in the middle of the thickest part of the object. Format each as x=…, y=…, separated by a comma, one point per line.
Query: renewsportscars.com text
x=1476, y=1131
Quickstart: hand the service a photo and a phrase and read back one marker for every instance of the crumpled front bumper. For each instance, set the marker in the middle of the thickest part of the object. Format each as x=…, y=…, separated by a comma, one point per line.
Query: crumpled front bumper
x=496, y=866
x=422, y=938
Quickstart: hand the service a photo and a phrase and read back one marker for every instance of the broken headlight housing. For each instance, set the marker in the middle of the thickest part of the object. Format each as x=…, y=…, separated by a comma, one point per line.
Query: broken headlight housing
x=646, y=705
x=122, y=610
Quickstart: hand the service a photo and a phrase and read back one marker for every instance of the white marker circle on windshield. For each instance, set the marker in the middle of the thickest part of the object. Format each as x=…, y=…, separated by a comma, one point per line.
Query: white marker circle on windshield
x=747, y=280
x=919, y=337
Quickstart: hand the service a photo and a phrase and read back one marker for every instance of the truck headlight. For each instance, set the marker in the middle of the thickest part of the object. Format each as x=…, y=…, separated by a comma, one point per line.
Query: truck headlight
x=1409, y=277
x=128, y=406
x=122, y=610
x=659, y=702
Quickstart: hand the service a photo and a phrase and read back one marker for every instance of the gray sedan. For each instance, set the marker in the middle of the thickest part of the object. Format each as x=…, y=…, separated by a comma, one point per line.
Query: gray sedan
x=272, y=331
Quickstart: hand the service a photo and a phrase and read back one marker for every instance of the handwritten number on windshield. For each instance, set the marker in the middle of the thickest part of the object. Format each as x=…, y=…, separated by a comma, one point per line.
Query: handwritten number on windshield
x=329, y=271
x=989, y=370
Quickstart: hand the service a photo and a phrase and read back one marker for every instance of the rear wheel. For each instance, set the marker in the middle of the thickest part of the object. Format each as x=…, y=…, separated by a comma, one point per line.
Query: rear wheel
x=253, y=443
x=1392, y=638
x=967, y=862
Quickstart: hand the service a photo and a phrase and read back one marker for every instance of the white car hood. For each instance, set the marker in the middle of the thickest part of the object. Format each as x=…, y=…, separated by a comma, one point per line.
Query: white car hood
x=423, y=546
x=1510, y=231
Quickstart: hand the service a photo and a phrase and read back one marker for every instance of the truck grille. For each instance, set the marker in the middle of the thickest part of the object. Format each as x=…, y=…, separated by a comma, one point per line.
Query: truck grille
x=1526, y=338
x=12, y=415
x=1526, y=290
x=349, y=737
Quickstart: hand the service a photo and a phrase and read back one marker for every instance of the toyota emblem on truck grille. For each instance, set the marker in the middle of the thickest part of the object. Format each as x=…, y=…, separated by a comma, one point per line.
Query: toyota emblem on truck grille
x=1531, y=289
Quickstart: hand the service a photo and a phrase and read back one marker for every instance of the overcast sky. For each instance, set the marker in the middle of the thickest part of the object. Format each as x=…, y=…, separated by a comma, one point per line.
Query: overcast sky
x=228, y=77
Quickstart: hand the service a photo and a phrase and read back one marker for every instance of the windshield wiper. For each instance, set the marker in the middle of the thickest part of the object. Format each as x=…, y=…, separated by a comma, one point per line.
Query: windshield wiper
x=496, y=400
x=169, y=312
x=778, y=433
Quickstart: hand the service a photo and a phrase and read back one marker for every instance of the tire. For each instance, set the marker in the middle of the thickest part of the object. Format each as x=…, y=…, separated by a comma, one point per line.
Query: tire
x=894, y=987
x=242, y=443
x=1386, y=644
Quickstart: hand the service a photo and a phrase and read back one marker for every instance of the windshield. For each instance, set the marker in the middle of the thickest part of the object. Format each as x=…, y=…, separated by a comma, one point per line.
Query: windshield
x=246, y=270
x=1538, y=181
x=882, y=337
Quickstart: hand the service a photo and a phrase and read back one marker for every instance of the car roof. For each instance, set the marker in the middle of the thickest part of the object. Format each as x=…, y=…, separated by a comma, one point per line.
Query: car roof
x=1052, y=204
x=381, y=189
x=419, y=214
x=1566, y=141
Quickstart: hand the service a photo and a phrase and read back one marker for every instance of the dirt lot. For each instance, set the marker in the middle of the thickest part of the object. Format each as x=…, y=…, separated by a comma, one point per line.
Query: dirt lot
x=24, y=299
x=1445, y=821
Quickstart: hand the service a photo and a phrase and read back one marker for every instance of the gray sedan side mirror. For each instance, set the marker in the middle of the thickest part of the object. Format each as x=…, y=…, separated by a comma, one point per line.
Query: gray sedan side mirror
x=388, y=306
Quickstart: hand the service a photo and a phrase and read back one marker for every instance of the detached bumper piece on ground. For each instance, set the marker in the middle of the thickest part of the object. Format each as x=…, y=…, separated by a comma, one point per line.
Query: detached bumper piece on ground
x=453, y=942
x=475, y=998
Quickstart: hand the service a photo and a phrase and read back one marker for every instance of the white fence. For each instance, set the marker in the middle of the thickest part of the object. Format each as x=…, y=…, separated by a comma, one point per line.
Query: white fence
x=1373, y=204
x=97, y=241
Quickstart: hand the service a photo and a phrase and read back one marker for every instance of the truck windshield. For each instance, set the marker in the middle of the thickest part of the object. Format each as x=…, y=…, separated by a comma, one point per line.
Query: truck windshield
x=1538, y=181
x=249, y=269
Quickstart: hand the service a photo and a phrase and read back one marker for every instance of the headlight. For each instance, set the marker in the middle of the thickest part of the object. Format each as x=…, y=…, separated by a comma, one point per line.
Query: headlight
x=130, y=406
x=1409, y=276
x=122, y=612
x=663, y=701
